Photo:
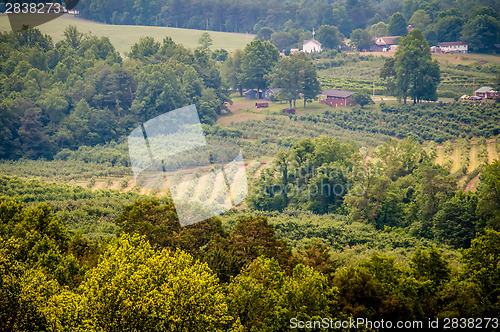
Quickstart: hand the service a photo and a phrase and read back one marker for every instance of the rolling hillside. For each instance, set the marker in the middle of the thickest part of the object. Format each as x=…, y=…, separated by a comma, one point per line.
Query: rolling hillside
x=124, y=36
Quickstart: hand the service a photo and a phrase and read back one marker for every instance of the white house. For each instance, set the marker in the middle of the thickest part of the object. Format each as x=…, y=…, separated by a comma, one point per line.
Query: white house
x=385, y=44
x=311, y=46
x=456, y=47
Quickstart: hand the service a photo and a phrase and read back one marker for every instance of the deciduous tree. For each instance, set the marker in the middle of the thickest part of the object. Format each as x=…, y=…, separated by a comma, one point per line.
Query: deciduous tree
x=258, y=60
x=397, y=25
x=330, y=37
x=360, y=40
x=417, y=74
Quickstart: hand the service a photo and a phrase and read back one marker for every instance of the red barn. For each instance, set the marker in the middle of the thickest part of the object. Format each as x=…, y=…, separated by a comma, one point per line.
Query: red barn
x=336, y=98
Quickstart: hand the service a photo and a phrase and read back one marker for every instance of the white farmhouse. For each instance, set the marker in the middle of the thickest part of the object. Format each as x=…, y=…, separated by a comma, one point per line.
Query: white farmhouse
x=456, y=47
x=311, y=46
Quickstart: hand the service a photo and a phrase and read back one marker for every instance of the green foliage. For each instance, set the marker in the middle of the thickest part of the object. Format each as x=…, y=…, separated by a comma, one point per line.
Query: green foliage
x=481, y=266
x=430, y=266
x=489, y=195
x=231, y=71
x=257, y=61
x=146, y=47
x=397, y=25
x=159, y=224
x=436, y=122
x=90, y=212
x=360, y=40
x=446, y=28
x=362, y=98
x=39, y=258
x=283, y=41
x=330, y=37
x=79, y=93
x=310, y=176
x=266, y=299
x=420, y=19
x=134, y=287
x=253, y=237
x=481, y=33
x=379, y=29
x=417, y=75
x=220, y=55
x=295, y=75
x=205, y=41
x=457, y=221
x=37, y=239
x=264, y=34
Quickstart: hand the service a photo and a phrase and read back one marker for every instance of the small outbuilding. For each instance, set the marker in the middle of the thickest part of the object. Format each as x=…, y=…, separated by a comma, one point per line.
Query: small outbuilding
x=252, y=94
x=266, y=94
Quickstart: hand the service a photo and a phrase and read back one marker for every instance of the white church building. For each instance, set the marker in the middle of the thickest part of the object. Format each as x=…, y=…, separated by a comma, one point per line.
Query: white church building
x=311, y=46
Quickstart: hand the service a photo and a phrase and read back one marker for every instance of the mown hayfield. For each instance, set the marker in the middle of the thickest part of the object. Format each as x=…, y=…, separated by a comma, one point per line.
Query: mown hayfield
x=451, y=59
x=470, y=156
x=124, y=36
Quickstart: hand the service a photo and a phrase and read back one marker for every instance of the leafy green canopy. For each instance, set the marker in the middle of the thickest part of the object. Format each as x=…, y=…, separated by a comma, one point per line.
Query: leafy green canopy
x=80, y=91
x=257, y=60
x=295, y=75
x=417, y=75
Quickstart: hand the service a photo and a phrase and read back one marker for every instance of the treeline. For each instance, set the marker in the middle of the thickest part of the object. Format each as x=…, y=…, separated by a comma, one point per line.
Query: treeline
x=442, y=21
x=158, y=276
x=80, y=92
x=399, y=186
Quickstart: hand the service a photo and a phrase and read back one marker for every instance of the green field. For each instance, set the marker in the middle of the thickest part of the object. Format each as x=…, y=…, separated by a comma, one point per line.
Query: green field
x=124, y=36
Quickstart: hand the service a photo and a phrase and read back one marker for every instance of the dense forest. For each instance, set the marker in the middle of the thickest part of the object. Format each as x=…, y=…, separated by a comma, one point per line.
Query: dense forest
x=80, y=92
x=158, y=275
x=442, y=21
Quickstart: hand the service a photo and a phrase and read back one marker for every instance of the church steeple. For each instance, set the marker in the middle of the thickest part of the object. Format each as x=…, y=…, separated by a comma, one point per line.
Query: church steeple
x=314, y=33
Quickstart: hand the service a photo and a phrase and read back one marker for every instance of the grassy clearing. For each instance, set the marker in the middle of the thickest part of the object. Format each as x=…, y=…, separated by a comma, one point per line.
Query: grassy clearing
x=492, y=151
x=469, y=154
x=440, y=155
x=473, y=160
x=455, y=157
x=469, y=58
x=124, y=36
x=243, y=109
